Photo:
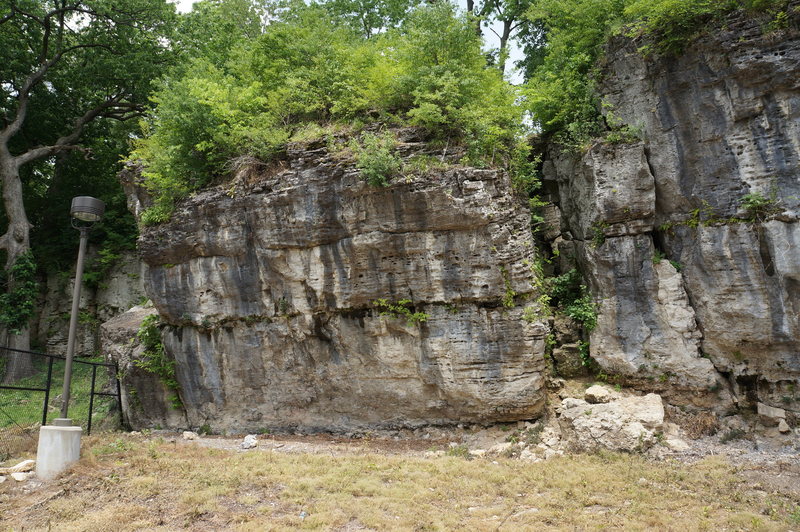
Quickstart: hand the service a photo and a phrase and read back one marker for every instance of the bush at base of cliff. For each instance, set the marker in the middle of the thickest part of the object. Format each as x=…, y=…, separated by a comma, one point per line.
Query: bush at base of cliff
x=155, y=359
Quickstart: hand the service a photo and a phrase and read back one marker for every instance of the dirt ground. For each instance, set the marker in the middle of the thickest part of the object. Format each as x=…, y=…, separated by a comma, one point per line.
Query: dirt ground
x=469, y=477
x=162, y=481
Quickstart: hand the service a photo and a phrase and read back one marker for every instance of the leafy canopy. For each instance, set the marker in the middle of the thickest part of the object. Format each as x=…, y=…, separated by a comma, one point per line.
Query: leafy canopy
x=562, y=66
x=310, y=67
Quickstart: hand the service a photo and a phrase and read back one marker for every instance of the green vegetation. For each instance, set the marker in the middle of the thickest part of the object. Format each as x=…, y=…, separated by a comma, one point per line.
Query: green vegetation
x=310, y=67
x=401, y=309
x=24, y=408
x=155, y=359
x=509, y=293
x=17, y=303
x=598, y=230
x=73, y=75
x=759, y=207
x=573, y=299
x=375, y=159
x=459, y=451
x=562, y=76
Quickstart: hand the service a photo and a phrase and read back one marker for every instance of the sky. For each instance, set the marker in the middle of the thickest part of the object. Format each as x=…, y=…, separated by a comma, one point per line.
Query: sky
x=184, y=6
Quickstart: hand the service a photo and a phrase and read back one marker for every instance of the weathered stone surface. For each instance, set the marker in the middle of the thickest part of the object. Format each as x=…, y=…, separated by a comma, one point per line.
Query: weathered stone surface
x=269, y=296
x=122, y=288
x=146, y=402
x=597, y=394
x=770, y=411
x=629, y=424
x=567, y=360
x=646, y=326
x=719, y=122
x=609, y=191
x=744, y=281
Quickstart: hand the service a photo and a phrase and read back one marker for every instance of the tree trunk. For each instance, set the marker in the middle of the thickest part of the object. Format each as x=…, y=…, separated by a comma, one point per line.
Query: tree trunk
x=16, y=242
x=18, y=365
x=503, y=53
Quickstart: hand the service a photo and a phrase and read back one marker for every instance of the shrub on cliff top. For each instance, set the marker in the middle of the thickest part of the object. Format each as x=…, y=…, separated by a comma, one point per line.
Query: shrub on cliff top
x=308, y=67
x=560, y=88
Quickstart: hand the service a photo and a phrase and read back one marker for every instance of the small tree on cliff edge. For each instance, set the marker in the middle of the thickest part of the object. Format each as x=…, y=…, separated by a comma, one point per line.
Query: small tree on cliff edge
x=63, y=65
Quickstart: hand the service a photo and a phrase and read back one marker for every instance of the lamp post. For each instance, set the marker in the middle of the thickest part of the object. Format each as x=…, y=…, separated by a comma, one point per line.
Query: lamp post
x=85, y=211
x=60, y=443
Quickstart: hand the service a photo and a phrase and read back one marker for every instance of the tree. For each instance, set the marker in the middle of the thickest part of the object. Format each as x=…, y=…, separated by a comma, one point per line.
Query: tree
x=66, y=64
x=371, y=16
x=508, y=15
x=215, y=27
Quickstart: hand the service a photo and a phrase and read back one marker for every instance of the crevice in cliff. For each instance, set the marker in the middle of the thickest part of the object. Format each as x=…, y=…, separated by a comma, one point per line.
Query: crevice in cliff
x=764, y=252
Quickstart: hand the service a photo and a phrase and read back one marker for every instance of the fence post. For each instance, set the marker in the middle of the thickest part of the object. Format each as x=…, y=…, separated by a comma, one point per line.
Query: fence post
x=91, y=401
x=47, y=390
x=119, y=397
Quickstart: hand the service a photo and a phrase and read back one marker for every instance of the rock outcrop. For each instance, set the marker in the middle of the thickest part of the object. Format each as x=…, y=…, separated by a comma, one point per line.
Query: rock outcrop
x=121, y=288
x=689, y=239
x=146, y=401
x=629, y=424
x=268, y=291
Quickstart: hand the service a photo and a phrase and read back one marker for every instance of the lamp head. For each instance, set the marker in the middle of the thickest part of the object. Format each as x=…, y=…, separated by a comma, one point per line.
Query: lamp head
x=87, y=209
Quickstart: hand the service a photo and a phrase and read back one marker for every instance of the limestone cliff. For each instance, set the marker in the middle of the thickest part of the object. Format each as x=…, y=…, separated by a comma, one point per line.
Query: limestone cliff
x=121, y=288
x=268, y=290
x=689, y=239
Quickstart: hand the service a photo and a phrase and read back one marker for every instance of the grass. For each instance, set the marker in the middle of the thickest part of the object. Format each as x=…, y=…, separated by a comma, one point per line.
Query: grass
x=168, y=486
x=21, y=410
x=20, y=407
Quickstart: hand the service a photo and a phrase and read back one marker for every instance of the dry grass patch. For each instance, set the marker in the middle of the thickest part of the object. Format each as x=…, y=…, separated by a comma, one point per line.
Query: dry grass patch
x=168, y=486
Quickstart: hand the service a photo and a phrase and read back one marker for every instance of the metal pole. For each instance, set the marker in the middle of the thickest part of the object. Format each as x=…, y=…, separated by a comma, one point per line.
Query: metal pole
x=91, y=401
x=119, y=397
x=47, y=391
x=73, y=321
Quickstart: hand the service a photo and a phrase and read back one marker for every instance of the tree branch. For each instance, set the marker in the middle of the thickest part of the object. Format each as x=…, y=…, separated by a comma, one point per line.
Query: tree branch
x=33, y=80
x=111, y=108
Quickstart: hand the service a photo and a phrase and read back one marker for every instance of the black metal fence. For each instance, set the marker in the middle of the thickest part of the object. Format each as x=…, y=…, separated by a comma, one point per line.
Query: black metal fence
x=30, y=396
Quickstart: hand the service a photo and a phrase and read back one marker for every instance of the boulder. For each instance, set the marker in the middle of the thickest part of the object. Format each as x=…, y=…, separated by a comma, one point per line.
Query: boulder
x=146, y=400
x=597, y=394
x=629, y=424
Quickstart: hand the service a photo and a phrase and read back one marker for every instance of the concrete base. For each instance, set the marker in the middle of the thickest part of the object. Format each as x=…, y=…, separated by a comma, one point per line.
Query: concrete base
x=59, y=446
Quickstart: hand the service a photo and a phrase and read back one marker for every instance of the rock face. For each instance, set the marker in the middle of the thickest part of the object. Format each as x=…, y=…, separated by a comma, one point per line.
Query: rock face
x=269, y=292
x=121, y=289
x=698, y=286
x=146, y=402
